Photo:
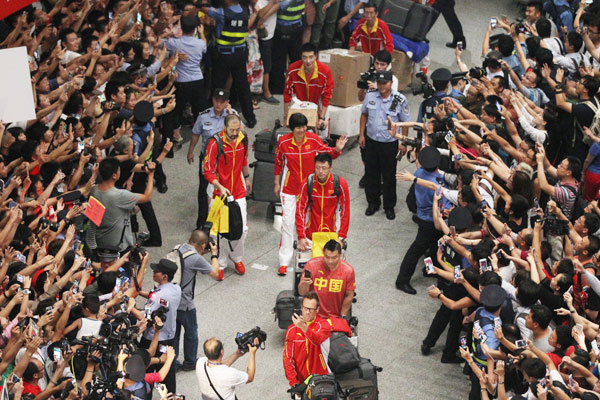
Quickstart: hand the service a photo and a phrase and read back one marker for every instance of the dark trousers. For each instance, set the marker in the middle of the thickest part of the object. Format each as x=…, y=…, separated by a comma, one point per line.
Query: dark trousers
x=169, y=380
x=202, y=199
x=187, y=320
x=192, y=93
x=139, y=186
x=425, y=243
x=235, y=64
x=284, y=46
x=380, y=164
x=443, y=317
x=475, y=393
x=446, y=8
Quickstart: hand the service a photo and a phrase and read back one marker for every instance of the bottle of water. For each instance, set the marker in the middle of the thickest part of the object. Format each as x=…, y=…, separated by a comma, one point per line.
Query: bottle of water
x=424, y=64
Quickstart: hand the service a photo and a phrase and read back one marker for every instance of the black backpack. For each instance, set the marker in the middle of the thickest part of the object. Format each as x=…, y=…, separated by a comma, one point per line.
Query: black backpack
x=555, y=12
x=578, y=206
x=236, y=223
x=321, y=387
x=343, y=356
x=217, y=137
x=310, y=182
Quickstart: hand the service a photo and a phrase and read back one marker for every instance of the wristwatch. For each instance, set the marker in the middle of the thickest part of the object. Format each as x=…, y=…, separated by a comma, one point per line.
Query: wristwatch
x=415, y=180
x=558, y=86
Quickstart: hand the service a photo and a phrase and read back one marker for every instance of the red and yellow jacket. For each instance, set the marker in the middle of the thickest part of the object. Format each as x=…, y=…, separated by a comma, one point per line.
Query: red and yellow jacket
x=317, y=88
x=378, y=38
x=299, y=159
x=323, y=209
x=303, y=355
x=227, y=169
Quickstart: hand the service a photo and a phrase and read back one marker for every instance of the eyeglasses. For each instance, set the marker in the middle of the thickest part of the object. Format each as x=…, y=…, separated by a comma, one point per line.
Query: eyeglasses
x=309, y=309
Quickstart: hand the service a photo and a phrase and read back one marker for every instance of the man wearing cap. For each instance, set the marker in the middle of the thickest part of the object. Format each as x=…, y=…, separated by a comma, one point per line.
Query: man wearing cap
x=459, y=83
x=209, y=122
x=380, y=147
x=167, y=294
x=426, y=178
x=227, y=171
x=492, y=297
x=440, y=79
x=295, y=160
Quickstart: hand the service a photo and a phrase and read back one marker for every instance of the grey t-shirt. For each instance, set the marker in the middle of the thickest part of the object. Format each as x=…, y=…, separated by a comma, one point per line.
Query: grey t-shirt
x=192, y=264
x=118, y=203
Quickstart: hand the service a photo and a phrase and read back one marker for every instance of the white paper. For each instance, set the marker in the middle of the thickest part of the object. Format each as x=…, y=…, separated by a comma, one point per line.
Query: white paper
x=260, y=267
x=325, y=57
x=16, y=95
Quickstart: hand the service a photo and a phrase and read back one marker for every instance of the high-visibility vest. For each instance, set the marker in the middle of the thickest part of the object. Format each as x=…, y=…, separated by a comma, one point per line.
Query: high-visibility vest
x=235, y=28
x=293, y=12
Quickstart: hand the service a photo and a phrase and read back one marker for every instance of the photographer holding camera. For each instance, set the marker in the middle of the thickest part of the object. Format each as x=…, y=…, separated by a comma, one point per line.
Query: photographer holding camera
x=440, y=79
x=200, y=243
x=162, y=302
x=217, y=379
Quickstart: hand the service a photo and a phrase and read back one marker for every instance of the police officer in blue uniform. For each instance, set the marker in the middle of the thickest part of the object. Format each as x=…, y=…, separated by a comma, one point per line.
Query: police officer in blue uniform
x=440, y=78
x=458, y=82
x=209, y=122
x=232, y=30
x=287, y=41
x=380, y=147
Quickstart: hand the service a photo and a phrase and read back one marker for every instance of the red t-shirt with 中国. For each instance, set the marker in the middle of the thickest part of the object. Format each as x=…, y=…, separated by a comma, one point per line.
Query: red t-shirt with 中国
x=330, y=286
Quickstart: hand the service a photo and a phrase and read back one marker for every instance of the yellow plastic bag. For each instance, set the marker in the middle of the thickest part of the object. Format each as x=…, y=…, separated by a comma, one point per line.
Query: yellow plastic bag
x=224, y=220
x=318, y=241
x=213, y=213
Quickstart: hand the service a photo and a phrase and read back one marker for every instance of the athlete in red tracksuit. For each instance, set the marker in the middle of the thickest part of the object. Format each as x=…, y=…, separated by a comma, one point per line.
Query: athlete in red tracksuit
x=371, y=33
x=304, y=353
x=228, y=173
x=295, y=160
x=320, y=215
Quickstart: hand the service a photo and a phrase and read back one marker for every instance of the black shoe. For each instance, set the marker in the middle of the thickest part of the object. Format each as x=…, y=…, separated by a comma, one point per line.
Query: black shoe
x=390, y=214
x=406, y=288
x=425, y=350
x=161, y=187
x=372, y=209
x=452, y=359
x=152, y=243
x=361, y=183
x=251, y=123
x=452, y=44
x=185, y=367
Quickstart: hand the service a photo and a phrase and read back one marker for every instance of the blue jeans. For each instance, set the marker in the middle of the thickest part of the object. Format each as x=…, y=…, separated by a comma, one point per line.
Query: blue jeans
x=187, y=319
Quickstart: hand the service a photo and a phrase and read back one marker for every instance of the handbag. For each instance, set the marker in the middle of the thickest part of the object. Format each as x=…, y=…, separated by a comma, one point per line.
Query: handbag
x=213, y=386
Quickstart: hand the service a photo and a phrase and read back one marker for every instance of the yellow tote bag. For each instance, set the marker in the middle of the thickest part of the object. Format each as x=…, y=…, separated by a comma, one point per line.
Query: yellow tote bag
x=224, y=219
x=318, y=241
x=215, y=207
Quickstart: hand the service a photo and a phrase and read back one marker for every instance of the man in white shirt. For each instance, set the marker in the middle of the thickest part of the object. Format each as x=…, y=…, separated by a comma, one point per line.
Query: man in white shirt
x=217, y=379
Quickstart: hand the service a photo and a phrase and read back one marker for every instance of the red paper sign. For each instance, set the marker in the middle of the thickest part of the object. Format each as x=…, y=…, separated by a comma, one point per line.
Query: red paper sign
x=8, y=7
x=95, y=211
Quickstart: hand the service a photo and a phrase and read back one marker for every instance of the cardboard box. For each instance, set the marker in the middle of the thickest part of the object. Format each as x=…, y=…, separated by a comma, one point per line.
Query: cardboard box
x=346, y=67
x=402, y=68
x=344, y=121
x=308, y=109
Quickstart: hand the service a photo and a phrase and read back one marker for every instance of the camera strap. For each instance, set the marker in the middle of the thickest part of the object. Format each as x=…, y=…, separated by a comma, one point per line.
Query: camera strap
x=213, y=386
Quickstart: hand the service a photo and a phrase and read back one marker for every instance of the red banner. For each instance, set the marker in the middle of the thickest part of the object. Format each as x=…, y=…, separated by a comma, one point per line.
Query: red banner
x=8, y=7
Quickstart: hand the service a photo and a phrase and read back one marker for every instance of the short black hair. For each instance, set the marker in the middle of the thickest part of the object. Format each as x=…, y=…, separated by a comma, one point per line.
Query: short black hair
x=541, y=315
x=311, y=296
x=592, y=222
x=506, y=45
x=189, y=24
x=575, y=40
x=383, y=55
x=308, y=48
x=333, y=245
x=324, y=157
x=544, y=27
x=297, y=120
x=534, y=367
x=370, y=4
x=537, y=4
x=591, y=84
x=527, y=292
x=108, y=167
x=575, y=167
x=91, y=302
x=112, y=88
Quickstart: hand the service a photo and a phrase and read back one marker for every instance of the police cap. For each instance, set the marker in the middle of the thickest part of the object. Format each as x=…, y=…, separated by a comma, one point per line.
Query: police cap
x=165, y=266
x=429, y=157
x=143, y=112
x=221, y=94
x=384, y=76
x=492, y=296
x=441, y=75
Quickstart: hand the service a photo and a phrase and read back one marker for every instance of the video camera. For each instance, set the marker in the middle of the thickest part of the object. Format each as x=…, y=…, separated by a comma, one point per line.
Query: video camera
x=555, y=226
x=245, y=339
x=424, y=87
x=365, y=78
x=206, y=229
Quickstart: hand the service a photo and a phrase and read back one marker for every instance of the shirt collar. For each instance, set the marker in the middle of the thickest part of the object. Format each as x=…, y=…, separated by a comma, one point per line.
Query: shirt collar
x=315, y=74
x=294, y=140
x=226, y=139
x=374, y=29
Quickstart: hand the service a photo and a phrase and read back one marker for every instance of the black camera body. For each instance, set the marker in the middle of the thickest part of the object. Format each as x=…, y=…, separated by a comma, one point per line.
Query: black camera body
x=555, y=226
x=206, y=229
x=365, y=78
x=245, y=339
x=417, y=143
x=45, y=223
x=477, y=72
x=424, y=87
x=161, y=313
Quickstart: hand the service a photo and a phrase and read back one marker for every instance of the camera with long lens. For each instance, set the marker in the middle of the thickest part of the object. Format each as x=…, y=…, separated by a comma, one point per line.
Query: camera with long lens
x=365, y=78
x=45, y=223
x=206, y=229
x=424, y=87
x=555, y=226
x=245, y=339
x=477, y=72
x=412, y=142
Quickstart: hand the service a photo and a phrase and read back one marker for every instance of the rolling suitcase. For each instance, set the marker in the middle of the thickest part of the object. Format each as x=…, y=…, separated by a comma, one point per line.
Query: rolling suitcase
x=358, y=389
x=408, y=19
x=365, y=371
x=286, y=305
x=263, y=182
x=265, y=142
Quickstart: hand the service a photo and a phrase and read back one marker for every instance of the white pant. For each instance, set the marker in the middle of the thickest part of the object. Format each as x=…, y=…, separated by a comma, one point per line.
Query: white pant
x=288, y=228
x=237, y=245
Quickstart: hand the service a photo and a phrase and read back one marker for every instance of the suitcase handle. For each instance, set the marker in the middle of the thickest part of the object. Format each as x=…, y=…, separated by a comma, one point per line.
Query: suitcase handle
x=274, y=134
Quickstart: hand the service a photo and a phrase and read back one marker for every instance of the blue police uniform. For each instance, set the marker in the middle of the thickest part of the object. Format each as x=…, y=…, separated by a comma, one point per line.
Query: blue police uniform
x=207, y=125
x=381, y=148
x=427, y=107
x=232, y=30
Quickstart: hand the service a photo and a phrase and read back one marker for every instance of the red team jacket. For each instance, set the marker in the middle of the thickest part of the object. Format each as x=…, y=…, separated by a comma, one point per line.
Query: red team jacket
x=379, y=38
x=317, y=88
x=299, y=158
x=320, y=215
x=228, y=168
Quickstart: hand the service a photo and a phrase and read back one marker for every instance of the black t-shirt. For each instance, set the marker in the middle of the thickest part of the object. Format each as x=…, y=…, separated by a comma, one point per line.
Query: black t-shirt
x=584, y=115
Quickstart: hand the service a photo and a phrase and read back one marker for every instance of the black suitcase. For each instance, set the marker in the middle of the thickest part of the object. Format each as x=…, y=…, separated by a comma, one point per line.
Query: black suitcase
x=358, y=389
x=408, y=19
x=263, y=182
x=265, y=142
x=365, y=371
x=285, y=306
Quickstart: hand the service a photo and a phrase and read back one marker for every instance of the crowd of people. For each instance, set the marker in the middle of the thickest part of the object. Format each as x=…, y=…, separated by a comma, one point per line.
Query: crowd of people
x=504, y=195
